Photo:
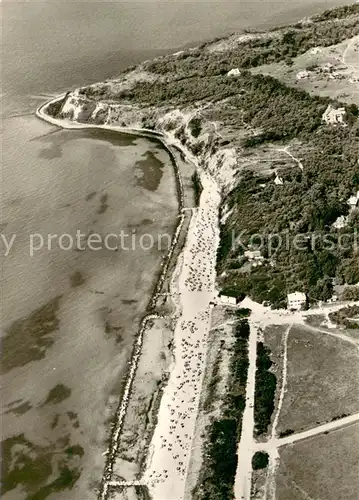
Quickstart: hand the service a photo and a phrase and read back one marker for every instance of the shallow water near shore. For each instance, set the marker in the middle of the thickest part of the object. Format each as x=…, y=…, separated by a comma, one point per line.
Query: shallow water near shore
x=70, y=316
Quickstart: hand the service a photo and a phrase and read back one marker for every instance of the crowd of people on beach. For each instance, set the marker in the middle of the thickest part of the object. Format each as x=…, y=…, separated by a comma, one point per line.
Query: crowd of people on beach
x=196, y=286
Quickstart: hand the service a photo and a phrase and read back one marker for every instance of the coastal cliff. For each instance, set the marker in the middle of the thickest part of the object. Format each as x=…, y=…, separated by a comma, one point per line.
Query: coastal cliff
x=185, y=127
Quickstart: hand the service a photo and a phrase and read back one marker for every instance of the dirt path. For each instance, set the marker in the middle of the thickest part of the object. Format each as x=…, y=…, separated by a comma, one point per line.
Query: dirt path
x=270, y=486
x=354, y=66
x=284, y=380
x=340, y=336
x=298, y=162
x=274, y=444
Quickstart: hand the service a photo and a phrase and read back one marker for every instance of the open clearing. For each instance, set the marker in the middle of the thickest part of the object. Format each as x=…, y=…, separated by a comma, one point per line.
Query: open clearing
x=322, y=382
x=324, y=467
x=331, y=71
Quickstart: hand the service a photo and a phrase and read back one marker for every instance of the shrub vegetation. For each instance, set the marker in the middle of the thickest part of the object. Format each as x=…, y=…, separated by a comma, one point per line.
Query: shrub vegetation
x=265, y=390
x=218, y=472
x=260, y=460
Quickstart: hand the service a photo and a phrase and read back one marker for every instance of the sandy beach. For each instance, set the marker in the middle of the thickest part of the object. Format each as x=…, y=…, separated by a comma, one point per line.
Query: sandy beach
x=171, y=445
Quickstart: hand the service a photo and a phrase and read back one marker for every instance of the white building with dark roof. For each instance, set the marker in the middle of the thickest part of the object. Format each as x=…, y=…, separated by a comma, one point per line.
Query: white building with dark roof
x=253, y=255
x=278, y=181
x=296, y=300
x=353, y=200
x=334, y=116
x=227, y=300
x=234, y=72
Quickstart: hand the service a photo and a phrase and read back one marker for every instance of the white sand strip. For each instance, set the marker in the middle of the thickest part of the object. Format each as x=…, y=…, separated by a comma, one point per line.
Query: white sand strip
x=243, y=479
x=73, y=125
x=171, y=444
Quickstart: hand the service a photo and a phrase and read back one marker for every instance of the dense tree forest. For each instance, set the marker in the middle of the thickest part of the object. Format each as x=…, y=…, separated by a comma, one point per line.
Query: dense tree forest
x=295, y=220
x=347, y=317
x=337, y=13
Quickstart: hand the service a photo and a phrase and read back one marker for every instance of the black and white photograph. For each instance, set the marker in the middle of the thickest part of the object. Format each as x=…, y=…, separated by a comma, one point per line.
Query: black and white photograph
x=179, y=250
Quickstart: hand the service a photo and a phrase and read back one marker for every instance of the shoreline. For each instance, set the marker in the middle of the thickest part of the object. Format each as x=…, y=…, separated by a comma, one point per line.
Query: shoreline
x=150, y=134
x=70, y=124
x=168, y=271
